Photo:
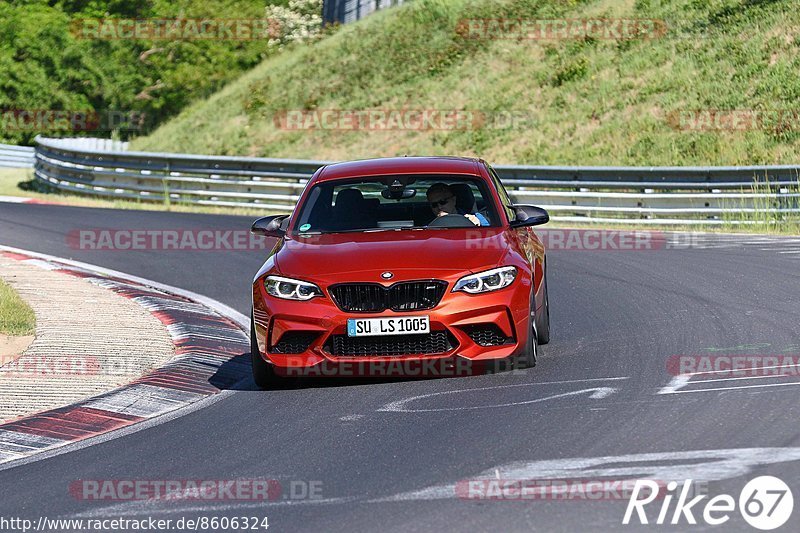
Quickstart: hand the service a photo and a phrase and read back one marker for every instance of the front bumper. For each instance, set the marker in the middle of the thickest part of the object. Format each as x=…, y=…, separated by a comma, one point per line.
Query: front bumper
x=462, y=318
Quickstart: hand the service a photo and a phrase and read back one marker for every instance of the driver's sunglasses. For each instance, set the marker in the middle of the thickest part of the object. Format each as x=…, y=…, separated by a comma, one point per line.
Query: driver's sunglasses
x=441, y=202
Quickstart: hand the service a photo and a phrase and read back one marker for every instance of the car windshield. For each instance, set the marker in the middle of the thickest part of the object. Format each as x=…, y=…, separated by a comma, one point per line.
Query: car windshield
x=397, y=202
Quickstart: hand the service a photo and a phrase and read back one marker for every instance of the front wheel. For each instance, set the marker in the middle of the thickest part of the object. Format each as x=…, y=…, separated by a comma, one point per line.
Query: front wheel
x=543, y=318
x=532, y=348
x=527, y=359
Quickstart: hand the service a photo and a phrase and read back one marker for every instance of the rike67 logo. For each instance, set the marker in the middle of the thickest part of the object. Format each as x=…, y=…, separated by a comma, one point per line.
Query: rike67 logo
x=765, y=503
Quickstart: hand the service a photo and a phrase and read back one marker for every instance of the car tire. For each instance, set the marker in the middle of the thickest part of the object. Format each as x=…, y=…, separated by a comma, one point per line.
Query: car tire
x=263, y=372
x=532, y=348
x=527, y=359
x=543, y=318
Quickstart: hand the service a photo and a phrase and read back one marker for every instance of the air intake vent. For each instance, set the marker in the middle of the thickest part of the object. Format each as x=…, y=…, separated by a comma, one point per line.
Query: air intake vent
x=435, y=342
x=295, y=341
x=487, y=335
x=374, y=298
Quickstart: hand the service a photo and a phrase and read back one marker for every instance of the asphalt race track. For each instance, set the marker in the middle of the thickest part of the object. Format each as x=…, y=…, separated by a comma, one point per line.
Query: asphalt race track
x=385, y=455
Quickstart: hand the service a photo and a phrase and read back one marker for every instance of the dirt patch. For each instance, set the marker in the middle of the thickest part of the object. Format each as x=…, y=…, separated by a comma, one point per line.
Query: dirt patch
x=12, y=347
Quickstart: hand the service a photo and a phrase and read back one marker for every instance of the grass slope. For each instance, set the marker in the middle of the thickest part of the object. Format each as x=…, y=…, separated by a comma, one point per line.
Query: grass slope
x=588, y=101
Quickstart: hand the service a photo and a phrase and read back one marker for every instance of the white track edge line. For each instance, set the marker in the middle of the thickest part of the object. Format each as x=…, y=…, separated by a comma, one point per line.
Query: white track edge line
x=77, y=445
x=221, y=308
x=72, y=446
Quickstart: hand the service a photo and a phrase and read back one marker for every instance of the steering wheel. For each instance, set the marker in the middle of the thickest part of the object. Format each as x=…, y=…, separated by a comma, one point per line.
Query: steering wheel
x=451, y=221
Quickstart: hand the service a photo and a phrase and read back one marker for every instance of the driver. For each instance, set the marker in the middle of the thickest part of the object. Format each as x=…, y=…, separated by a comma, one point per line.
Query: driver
x=443, y=202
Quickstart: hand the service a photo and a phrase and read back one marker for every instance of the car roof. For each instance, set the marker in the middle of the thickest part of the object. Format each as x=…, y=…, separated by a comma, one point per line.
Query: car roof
x=400, y=165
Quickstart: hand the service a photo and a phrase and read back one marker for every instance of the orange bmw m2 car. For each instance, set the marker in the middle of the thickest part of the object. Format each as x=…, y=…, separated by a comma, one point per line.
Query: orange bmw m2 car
x=399, y=260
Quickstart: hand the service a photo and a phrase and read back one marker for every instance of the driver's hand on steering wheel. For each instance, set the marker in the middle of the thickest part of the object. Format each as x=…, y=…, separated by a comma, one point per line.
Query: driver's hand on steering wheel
x=473, y=219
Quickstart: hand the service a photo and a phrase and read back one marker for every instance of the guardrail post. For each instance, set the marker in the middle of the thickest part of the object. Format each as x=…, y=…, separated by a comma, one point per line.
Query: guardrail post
x=165, y=183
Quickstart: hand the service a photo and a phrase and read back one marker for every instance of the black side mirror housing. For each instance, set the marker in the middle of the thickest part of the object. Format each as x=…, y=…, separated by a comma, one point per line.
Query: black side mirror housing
x=271, y=226
x=529, y=215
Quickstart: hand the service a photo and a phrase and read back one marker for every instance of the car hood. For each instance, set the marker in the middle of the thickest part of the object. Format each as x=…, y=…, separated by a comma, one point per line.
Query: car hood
x=315, y=257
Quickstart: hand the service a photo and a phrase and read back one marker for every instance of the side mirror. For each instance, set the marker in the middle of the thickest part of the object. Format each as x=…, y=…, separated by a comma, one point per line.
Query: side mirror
x=529, y=215
x=271, y=226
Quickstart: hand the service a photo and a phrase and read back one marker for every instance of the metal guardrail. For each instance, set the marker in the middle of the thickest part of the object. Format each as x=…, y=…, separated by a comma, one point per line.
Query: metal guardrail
x=655, y=195
x=16, y=156
x=91, y=143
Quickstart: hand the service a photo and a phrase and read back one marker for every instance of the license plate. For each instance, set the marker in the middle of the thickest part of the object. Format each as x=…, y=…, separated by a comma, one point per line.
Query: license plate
x=396, y=325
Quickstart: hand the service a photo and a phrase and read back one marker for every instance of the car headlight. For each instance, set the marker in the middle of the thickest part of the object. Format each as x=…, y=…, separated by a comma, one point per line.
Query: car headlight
x=290, y=289
x=490, y=280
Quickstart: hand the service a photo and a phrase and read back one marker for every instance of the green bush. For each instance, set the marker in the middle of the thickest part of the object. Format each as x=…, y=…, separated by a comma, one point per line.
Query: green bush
x=44, y=66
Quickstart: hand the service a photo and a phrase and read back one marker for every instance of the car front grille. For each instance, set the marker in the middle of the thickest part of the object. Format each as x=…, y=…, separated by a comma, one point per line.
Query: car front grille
x=374, y=298
x=487, y=335
x=435, y=342
x=295, y=341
